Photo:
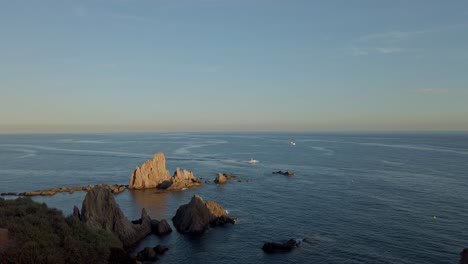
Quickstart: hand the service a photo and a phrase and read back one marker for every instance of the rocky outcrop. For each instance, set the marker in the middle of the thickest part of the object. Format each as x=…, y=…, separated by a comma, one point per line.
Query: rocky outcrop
x=286, y=173
x=464, y=256
x=272, y=247
x=183, y=179
x=160, y=228
x=197, y=216
x=100, y=210
x=150, y=174
x=223, y=178
x=151, y=254
x=153, y=174
x=115, y=189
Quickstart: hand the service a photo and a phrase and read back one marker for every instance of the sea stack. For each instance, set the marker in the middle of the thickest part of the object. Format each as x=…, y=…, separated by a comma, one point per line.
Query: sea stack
x=100, y=210
x=197, y=216
x=153, y=174
x=150, y=174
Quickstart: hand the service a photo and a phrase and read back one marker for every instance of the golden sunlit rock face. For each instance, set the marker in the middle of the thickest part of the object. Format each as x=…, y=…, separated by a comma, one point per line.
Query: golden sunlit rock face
x=150, y=174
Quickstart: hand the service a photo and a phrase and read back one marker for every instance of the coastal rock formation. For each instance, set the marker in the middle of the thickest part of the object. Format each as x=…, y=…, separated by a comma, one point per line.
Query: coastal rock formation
x=100, y=210
x=160, y=228
x=153, y=174
x=223, y=178
x=183, y=179
x=150, y=254
x=464, y=256
x=272, y=247
x=150, y=174
x=115, y=189
x=286, y=173
x=197, y=216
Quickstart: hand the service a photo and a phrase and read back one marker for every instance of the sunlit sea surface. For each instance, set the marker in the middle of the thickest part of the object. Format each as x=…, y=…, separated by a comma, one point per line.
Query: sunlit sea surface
x=357, y=198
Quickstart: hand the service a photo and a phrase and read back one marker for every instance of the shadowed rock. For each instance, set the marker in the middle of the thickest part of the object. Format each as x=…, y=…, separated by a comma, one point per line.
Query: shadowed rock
x=101, y=211
x=160, y=228
x=286, y=173
x=464, y=256
x=272, y=247
x=197, y=216
x=150, y=254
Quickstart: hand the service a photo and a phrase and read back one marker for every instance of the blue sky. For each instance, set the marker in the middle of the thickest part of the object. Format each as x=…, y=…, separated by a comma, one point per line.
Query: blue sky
x=214, y=65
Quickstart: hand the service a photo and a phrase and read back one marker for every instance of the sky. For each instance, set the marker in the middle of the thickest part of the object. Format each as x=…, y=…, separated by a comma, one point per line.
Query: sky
x=243, y=65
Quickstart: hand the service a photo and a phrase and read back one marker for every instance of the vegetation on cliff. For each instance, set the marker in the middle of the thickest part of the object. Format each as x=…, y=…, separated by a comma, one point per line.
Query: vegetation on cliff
x=39, y=234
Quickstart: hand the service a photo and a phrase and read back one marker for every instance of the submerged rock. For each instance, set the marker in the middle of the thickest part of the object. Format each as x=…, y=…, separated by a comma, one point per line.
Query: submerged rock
x=100, y=210
x=287, y=173
x=272, y=247
x=197, y=216
x=151, y=253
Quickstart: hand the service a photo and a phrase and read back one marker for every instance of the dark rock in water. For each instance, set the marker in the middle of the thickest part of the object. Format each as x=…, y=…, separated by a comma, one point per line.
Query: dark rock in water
x=150, y=254
x=272, y=247
x=76, y=212
x=100, y=210
x=287, y=173
x=9, y=194
x=464, y=256
x=160, y=228
x=197, y=216
x=160, y=249
x=147, y=254
x=120, y=256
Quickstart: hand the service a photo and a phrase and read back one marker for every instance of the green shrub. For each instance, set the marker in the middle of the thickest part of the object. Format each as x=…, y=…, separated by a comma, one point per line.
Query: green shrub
x=43, y=235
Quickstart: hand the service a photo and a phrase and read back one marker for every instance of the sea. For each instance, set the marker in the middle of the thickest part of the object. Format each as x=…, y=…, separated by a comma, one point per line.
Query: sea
x=354, y=198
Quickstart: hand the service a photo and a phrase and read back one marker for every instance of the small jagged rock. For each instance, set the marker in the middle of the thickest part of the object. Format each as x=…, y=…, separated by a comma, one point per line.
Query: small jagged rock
x=160, y=228
x=223, y=178
x=183, y=179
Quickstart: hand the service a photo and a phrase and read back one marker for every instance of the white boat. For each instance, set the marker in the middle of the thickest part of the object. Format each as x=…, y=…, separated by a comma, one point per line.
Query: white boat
x=252, y=161
x=292, y=143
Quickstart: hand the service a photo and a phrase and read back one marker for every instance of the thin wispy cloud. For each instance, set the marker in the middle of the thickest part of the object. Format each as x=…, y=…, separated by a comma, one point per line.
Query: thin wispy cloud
x=432, y=91
x=393, y=42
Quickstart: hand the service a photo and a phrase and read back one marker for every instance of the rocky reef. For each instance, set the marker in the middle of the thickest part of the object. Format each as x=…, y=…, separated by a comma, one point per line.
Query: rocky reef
x=273, y=247
x=100, y=210
x=153, y=174
x=197, y=216
x=223, y=178
x=286, y=173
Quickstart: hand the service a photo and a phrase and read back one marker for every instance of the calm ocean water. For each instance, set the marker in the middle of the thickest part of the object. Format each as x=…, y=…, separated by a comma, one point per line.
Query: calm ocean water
x=358, y=198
